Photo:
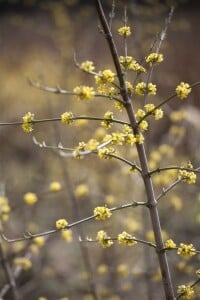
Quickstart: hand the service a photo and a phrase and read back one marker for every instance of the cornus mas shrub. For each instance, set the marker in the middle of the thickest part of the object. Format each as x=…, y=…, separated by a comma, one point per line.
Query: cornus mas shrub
x=120, y=141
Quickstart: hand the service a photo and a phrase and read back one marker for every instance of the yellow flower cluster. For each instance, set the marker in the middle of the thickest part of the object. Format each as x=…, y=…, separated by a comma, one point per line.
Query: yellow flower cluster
x=186, y=249
x=186, y=291
x=139, y=138
x=187, y=176
x=178, y=115
x=87, y=66
x=84, y=92
x=61, y=224
x=105, y=152
x=143, y=125
x=27, y=124
x=170, y=244
x=128, y=63
x=106, y=76
x=102, y=213
x=4, y=208
x=92, y=144
x=104, y=239
x=55, y=186
x=154, y=58
x=30, y=198
x=142, y=88
x=150, y=108
x=67, y=118
x=183, y=90
x=124, y=31
x=77, y=151
x=127, y=239
x=23, y=262
x=110, y=91
x=108, y=117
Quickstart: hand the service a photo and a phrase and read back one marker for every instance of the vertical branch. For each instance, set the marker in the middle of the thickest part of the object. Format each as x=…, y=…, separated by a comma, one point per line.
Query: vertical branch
x=8, y=273
x=152, y=203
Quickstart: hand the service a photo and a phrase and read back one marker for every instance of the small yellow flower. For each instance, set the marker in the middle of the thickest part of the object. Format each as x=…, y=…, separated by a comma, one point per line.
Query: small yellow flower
x=127, y=239
x=186, y=291
x=102, y=213
x=104, y=239
x=67, y=235
x=124, y=31
x=158, y=114
x=92, y=144
x=149, y=107
x=135, y=66
x=106, y=76
x=139, y=138
x=170, y=244
x=81, y=191
x=103, y=89
x=55, y=186
x=142, y=88
x=28, y=120
x=106, y=152
x=187, y=176
x=84, y=92
x=186, y=250
x=117, y=138
x=61, y=224
x=67, y=118
x=140, y=113
x=30, y=198
x=126, y=61
x=143, y=125
x=183, y=90
x=108, y=117
x=118, y=105
x=154, y=58
x=23, y=262
x=87, y=66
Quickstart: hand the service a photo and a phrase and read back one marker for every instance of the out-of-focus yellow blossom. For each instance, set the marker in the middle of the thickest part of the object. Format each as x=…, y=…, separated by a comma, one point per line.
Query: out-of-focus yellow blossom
x=156, y=277
x=177, y=130
x=166, y=150
x=81, y=123
x=102, y=213
x=183, y=90
x=104, y=239
x=186, y=249
x=84, y=92
x=170, y=244
x=87, y=66
x=143, y=125
x=186, y=291
x=81, y=190
x=178, y=115
x=99, y=133
x=92, y=145
x=61, y=224
x=39, y=241
x=176, y=202
x=142, y=88
x=102, y=269
x=30, y=198
x=166, y=178
x=108, y=117
x=109, y=199
x=127, y=239
x=27, y=124
x=4, y=208
x=198, y=273
x=122, y=270
x=55, y=186
x=106, y=76
x=139, y=138
x=23, y=262
x=154, y=58
x=124, y=31
x=66, y=235
x=106, y=152
x=67, y=118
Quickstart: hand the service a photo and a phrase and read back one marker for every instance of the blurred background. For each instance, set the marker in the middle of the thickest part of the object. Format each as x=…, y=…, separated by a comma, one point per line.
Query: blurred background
x=38, y=40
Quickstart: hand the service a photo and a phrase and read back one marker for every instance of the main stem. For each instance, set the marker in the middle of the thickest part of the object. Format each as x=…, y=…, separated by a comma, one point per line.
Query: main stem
x=152, y=204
